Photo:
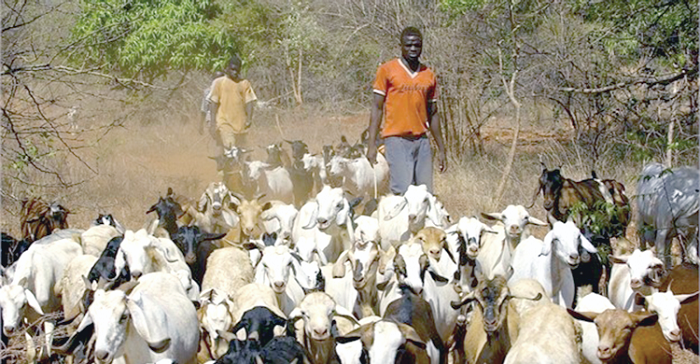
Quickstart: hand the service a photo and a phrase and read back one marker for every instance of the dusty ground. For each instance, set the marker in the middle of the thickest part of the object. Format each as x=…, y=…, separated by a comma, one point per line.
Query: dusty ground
x=135, y=165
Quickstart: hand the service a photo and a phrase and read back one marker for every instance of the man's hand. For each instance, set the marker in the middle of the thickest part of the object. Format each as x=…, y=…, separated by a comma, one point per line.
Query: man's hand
x=372, y=153
x=442, y=162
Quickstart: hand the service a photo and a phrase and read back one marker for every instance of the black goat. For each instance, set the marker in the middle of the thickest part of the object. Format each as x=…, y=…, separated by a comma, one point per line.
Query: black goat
x=196, y=245
x=414, y=311
x=168, y=212
x=12, y=249
x=259, y=323
x=106, y=268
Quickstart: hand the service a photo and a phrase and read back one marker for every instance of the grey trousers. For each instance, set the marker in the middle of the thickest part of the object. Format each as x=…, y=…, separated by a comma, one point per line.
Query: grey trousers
x=410, y=162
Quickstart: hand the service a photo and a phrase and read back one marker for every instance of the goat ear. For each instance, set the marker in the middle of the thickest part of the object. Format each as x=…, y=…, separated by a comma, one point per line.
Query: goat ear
x=585, y=316
x=345, y=313
x=229, y=217
x=396, y=210
x=210, y=236
x=686, y=298
x=535, y=221
x=150, y=324
x=411, y=335
x=645, y=318
x=33, y=302
x=586, y=244
x=639, y=299
x=547, y=244
x=339, y=265
x=618, y=260
x=436, y=277
x=313, y=218
x=492, y=216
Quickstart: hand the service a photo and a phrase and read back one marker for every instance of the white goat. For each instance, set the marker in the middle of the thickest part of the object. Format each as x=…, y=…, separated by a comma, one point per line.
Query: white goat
x=318, y=312
x=325, y=222
x=547, y=335
x=145, y=253
x=228, y=269
x=550, y=261
x=275, y=183
x=497, y=249
x=401, y=216
x=464, y=241
x=279, y=219
x=155, y=321
x=666, y=305
x=361, y=178
x=638, y=272
x=274, y=269
x=36, y=273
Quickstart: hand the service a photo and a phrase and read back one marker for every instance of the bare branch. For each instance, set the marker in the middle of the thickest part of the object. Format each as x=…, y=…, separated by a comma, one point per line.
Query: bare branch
x=648, y=81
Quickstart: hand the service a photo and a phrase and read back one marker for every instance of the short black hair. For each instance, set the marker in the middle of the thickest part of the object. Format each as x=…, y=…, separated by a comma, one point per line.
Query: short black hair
x=234, y=61
x=410, y=31
x=217, y=74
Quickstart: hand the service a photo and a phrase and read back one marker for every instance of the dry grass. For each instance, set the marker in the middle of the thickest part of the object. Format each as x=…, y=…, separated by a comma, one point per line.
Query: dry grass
x=135, y=165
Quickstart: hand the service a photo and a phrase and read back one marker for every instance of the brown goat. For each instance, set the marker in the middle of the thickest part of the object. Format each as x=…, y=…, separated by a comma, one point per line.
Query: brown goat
x=39, y=219
x=561, y=194
x=684, y=279
x=628, y=337
x=495, y=322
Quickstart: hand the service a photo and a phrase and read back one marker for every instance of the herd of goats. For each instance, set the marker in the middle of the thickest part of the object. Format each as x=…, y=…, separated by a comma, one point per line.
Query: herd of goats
x=308, y=259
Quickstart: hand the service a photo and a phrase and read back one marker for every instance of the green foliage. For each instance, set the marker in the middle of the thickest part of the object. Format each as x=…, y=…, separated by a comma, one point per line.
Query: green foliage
x=602, y=219
x=459, y=7
x=150, y=38
x=666, y=29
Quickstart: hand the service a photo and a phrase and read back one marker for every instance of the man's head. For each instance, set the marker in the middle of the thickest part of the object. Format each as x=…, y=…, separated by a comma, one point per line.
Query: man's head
x=411, y=44
x=217, y=74
x=233, y=69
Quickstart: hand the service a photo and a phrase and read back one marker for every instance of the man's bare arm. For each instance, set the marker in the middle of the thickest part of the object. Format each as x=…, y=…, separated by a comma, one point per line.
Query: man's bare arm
x=249, y=108
x=436, y=130
x=375, y=119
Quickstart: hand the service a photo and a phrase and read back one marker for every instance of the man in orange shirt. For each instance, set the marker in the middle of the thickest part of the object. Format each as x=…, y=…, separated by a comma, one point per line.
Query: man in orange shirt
x=231, y=102
x=405, y=94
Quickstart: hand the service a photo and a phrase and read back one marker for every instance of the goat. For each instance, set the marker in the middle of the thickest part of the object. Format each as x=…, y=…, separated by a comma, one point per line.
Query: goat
x=37, y=272
x=639, y=272
x=384, y=341
x=561, y=194
x=360, y=177
x=39, y=219
x=196, y=246
x=279, y=218
x=685, y=281
x=168, y=212
x=496, y=252
x=365, y=260
x=326, y=222
x=230, y=165
x=229, y=269
x=401, y=216
x=107, y=266
x=624, y=338
x=465, y=238
x=666, y=305
x=412, y=310
x=319, y=313
x=273, y=182
x=547, y=335
x=150, y=321
x=550, y=261
x=495, y=322
x=12, y=249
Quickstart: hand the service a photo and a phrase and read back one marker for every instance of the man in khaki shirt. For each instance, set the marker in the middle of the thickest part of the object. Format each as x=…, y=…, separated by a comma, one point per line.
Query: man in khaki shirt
x=231, y=99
